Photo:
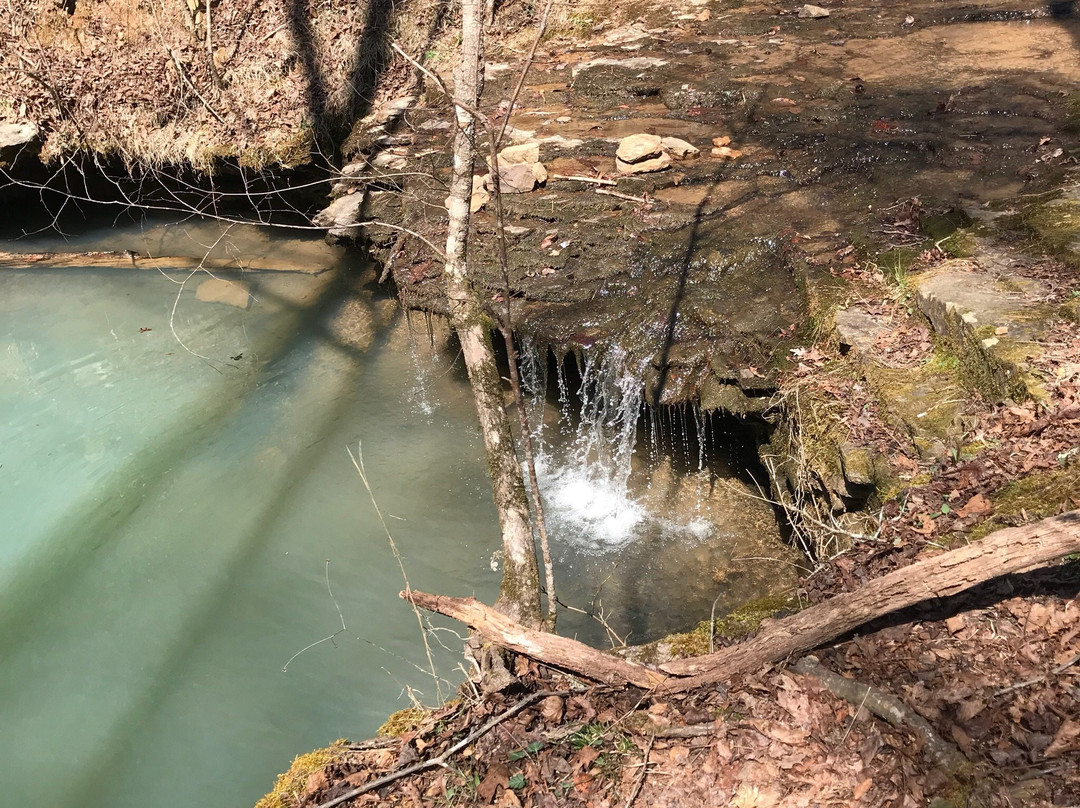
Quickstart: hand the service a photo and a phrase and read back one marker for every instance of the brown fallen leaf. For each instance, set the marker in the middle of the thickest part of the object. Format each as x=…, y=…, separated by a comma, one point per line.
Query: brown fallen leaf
x=978, y=505
x=779, y=732
x=955, y=624
x=928, y=525
x=861, y=789
x=1064, y=739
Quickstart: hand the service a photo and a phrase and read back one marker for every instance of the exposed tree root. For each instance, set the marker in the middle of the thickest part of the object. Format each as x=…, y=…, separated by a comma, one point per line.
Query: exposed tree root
x=886, y=707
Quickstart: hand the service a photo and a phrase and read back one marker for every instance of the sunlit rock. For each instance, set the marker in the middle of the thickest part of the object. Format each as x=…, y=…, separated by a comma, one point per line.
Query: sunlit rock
x=220, y=290
x=635, y=148
x=644, y=166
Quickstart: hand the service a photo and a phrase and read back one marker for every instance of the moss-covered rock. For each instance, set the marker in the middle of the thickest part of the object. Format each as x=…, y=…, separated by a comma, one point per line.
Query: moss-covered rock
x=292, y=784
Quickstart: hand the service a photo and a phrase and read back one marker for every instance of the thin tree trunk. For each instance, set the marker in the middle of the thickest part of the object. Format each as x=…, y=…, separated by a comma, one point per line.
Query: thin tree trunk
x=519, y=593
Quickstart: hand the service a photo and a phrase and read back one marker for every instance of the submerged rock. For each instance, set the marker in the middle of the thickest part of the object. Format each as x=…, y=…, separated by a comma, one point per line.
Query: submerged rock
x=220, y=290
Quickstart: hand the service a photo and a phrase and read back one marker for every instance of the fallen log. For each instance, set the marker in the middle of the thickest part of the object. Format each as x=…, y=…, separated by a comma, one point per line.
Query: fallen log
x=131, y=258
x=1012, y=550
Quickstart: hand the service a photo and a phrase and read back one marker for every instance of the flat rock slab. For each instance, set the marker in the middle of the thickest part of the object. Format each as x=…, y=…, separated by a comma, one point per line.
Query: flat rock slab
x=963, y=295
x=220, y=290
x=859, y=329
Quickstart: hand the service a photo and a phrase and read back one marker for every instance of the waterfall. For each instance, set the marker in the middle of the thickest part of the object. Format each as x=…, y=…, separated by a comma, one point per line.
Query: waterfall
x=585, y=461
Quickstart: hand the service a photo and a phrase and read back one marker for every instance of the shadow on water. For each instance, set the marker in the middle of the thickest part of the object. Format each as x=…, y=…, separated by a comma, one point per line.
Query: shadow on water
x=94, y=787
x=155, y=468
x=114, y=503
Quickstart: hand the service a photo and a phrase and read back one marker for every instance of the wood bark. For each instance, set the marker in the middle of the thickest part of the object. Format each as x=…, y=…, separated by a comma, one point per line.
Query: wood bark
x=886, y=707
x=1006, y=551
x=125, y=258
x=519, y=593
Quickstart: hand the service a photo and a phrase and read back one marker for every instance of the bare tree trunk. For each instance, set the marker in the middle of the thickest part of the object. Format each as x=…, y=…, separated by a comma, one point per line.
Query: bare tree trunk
x=519, y=594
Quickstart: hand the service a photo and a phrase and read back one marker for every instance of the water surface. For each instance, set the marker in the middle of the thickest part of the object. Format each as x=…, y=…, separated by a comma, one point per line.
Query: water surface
x=179, y=517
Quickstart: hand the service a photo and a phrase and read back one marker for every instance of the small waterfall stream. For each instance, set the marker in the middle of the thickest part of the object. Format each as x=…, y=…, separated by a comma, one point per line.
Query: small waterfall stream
x=585, y=460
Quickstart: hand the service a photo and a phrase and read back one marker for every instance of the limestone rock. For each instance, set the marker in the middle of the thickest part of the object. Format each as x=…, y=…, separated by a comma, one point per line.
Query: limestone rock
x=635, y=148
x=480, y=196
x=858, y=329
x=388, y=161
x=858, y=465
x=394, y=108
x=644, y=166
x=813, y=12
x=14, y=137
x=340, y=217
x=220, y=290
x=519, y=178
x=527, y=153
x=679, y=147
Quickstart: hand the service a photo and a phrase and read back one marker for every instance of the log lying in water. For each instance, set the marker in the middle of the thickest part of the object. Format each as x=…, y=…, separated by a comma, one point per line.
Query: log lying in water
x=1012, y=550
x=124, y=258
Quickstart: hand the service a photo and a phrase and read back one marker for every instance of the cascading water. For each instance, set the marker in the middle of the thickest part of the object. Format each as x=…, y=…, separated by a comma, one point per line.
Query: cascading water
x=585, y=461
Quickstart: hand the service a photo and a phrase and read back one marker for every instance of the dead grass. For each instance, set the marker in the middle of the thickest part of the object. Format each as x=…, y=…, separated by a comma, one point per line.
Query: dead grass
x=134, y=80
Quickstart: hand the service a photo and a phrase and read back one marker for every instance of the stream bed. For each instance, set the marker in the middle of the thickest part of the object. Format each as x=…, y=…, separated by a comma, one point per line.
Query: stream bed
x=194, y=584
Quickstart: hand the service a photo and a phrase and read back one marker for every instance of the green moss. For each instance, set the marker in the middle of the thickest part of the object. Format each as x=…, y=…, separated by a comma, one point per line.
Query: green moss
x=961, y=244
x=1052, y=227
x=402, y=721
x=1072, y=115
x=291, y=784
x=1039, y=494
x=923, y=401
x=257, y=158
x=742, y=621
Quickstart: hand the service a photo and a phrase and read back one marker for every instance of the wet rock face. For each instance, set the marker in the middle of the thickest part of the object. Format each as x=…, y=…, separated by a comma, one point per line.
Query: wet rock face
x=739, y=149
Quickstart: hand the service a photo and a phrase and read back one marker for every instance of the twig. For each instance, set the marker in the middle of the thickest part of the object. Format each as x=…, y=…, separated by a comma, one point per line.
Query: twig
x=439, y=760
x=438, y=253
x=1027, y=683
x=358, y=463
x=639, y=199
x=576, y=178
x=330, y=638
x=644, y=773
x=689, y=731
